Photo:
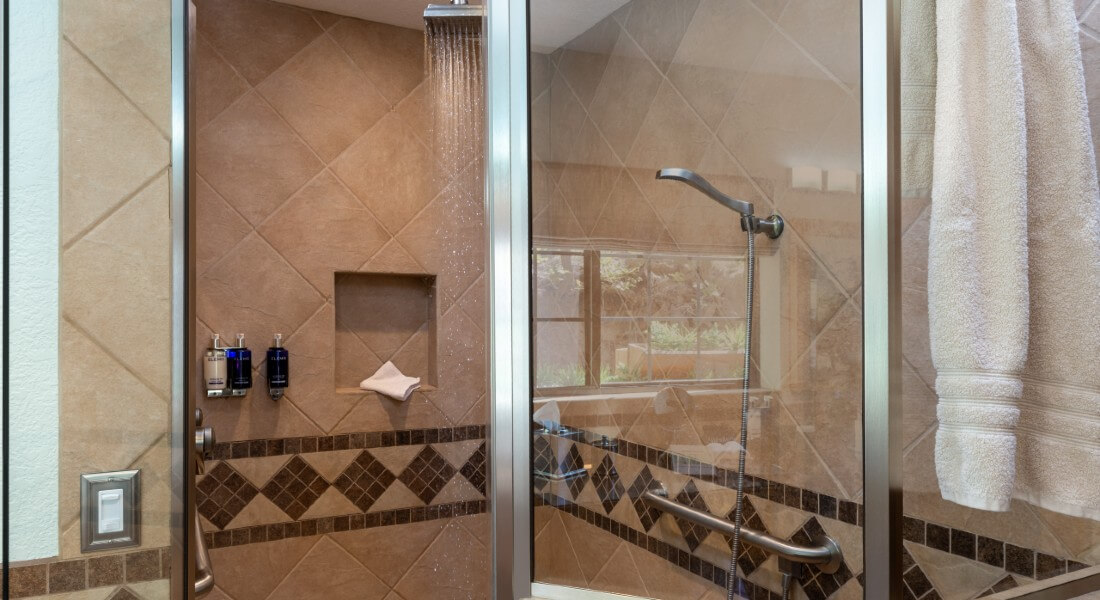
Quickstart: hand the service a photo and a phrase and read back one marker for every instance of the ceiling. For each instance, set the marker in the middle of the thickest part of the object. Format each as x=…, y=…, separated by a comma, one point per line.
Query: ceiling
x=555, y=22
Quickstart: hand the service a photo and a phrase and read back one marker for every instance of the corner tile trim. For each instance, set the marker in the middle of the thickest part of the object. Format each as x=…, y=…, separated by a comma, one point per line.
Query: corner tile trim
x=362, y=440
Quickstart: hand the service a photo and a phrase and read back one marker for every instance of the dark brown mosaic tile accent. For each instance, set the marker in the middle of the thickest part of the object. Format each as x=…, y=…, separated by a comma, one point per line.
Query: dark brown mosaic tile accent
x=937, y=537
x=915, y=583
x=912, y=530
x=1006, y=583
x=991, y=551
x=31, y=580
x=963, y=543
x=124, y=594
x=310, y=527
x=222, y=495
x=606, y=481
x=295, y=487
x=107, y=570
x=143, y=566
x=817, y=584
x=80, y=574
x=1020, y=561
x=476, y=469
x=345, y=441
x=749, y=557
x=1047, y=566
x=646, y=513
x=693, y=533
x=364, y=480
x=427, y=474
x=68, y=576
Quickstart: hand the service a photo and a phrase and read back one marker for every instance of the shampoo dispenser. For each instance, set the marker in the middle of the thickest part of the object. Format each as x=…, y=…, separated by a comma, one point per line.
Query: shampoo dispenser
x=213, y=367
x=278, y=368
x=217, y=371
x=239, y=363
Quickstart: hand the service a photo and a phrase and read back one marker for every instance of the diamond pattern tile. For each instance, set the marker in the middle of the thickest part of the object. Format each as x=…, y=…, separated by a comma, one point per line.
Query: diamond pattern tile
x=607, y=483
x=819, y=585
x=222, y=495
x=694, y=534
x=364, y=480
x=295, y=487
x=646, y=513
x=542, y=461
x=427, y=474
x=749, y=558
x=476, y=467
x=572, y=467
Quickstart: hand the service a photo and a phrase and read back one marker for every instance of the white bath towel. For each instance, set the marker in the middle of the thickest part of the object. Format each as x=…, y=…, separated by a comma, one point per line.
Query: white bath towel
x=1014, y=260
x=388, y=380
x=918, y=96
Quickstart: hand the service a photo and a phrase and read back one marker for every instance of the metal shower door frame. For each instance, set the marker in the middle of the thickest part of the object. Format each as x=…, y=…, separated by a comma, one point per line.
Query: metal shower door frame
x=508, y=197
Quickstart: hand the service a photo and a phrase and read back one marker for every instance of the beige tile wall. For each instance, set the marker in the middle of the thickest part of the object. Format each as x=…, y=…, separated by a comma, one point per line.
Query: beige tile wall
x=315, y=156
x=114, y=357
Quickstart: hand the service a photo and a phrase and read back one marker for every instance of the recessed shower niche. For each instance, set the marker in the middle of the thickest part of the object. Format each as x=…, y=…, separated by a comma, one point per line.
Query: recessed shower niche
x=384, y=316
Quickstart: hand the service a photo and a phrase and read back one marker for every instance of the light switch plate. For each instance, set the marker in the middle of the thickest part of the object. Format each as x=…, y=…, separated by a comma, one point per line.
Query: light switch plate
x=110, y=510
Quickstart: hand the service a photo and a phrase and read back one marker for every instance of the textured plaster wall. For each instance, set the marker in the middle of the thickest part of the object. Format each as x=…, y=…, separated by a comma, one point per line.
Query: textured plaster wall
x=34, y=278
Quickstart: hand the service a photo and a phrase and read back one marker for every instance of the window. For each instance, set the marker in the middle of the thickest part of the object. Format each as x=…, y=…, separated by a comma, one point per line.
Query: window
x=618, y=318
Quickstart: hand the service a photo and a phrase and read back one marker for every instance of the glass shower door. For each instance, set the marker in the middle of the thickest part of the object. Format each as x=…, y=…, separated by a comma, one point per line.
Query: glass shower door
x=638, y=313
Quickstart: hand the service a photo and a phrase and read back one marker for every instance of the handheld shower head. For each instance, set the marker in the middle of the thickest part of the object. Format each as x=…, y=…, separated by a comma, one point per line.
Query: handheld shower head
x=696, y=181
x=772, y=226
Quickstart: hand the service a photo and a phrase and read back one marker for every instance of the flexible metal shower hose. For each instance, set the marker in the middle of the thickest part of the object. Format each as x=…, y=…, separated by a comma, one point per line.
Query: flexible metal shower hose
x=731, y=580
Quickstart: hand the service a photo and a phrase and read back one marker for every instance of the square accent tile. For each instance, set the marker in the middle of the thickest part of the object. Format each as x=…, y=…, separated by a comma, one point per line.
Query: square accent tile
x=295, y=487
x=475, y=468
x=222, y=495
x=646, y=513
x=693, y=533
x=608, y=486
x=364, y=480
x=427, y=474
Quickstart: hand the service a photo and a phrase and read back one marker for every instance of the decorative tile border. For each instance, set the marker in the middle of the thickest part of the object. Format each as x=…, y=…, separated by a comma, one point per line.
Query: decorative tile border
x=1016, y=560
x=307, y=527
x=224, y=492
x=79, y=574
x=260, y=448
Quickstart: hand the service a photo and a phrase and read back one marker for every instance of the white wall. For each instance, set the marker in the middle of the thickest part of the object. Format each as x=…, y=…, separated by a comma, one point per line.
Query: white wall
x=34, y=278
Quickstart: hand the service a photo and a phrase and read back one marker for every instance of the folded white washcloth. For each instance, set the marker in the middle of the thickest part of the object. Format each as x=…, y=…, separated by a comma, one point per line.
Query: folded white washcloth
x=388, y=380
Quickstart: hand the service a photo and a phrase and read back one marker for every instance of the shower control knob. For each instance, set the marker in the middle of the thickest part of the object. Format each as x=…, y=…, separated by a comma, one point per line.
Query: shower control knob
x=204, y=440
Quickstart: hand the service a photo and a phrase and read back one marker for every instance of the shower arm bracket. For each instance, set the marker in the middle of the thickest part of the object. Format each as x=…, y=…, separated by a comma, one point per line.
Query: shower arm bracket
x=771, y=226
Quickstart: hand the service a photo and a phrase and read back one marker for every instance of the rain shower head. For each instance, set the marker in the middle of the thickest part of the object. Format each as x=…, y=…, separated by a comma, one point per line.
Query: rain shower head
x=696, y=181
x=459, y=15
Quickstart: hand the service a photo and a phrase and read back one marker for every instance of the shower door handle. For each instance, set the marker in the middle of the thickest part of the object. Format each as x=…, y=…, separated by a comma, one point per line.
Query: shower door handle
x=204, y=572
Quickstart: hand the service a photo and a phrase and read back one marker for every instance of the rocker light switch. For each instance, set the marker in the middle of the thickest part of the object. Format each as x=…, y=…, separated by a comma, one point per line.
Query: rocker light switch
x=110, y=510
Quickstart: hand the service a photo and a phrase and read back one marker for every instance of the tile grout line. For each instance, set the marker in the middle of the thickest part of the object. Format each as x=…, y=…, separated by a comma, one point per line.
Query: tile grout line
x=163, y=134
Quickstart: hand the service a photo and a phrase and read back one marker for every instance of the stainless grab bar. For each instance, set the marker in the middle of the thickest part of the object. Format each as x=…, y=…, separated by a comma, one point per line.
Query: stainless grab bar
x=826, y=555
